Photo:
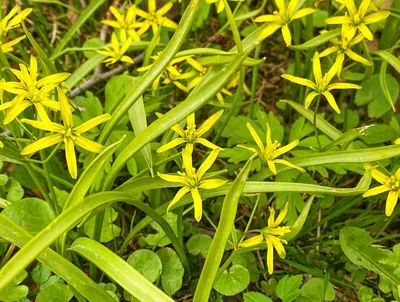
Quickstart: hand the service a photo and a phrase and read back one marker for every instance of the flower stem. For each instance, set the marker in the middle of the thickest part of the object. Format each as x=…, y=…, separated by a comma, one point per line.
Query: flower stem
x=315, y=122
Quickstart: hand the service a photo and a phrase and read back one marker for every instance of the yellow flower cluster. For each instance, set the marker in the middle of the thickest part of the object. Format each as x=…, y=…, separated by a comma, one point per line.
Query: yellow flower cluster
x=192, y=179
x=129, y=29
x=30, y=91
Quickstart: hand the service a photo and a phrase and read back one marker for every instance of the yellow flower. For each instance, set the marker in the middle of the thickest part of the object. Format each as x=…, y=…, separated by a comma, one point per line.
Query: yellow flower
x=116, y=53
x=191, y=135
x=173, y=73
x=8, y=47
x=271, y=150
x=388, y=183
x=1, y=144
x=66, y=133
x=220, y=5
x=126, y=24
x=10, y=22
x=272, y=236
x=202, y=72
x=321, y=84
x=193, y=180
x=154, y=18
x=31, y=91
x=358, y=19
x=282, y=18
x=342, y=48
x=397, y=141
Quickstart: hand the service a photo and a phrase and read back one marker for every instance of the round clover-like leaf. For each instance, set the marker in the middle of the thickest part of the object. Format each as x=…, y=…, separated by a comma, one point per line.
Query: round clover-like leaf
x=233, y=281
x=199, y=244
x=147, y=263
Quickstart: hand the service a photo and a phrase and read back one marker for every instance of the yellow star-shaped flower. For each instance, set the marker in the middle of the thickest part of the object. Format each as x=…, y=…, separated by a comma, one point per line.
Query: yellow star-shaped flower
x=272, y=236
x=116, y=53
x=31, y=91
x=282, y=18
x=193, y=180
x=271, y=151
x=358, y=19
x=322, y=83
x=126, y=24
x=154, y=18
x=192, y=135
x=66, y=133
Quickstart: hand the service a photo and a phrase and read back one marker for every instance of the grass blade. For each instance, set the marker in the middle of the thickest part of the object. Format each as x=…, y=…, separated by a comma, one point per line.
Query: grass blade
x=118, y=270
x=217, y=248
x=389, y=58
x=58, y=264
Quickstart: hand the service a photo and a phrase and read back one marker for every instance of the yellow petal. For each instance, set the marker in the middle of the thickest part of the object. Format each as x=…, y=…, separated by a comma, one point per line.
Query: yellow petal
x=190, y=121
x=208, y=162
x=282, y=215
x=42, y=143
x=343, y=86
x=171, y=144
x=90, y=124
x=178, y=196
x=351, y=7
x=376, y=17
x=317, y=68
x=329, y=51
x=376, y=191
x=267, y=18
x=195, y=65
x=270, y=256
x=362, y=9
x=71, y=158
x=287, y=37
x=221, y=6
x=163, y=10
x=285, y=149
x=54, y=78
x=171, y=178
x=15, y=110
x=365, y=31
x=356, y=57
x=255, y=240
x=198, y=206
x=211, y=183
x=278, y=246
x=249, y=148
x=47, y=126
x=206, y=143
x=281, y=5
x=272, y=167
x=271, y=218
x=187, y=162
x=331, y=100
x=397, y=141
x=303, y=12
x=207, y=125
x=41, y=112
x=189, y=148
x=338, y=20
x=299, y=81
x=269, y=30
x=268, y=136
x=391, y=202
x=65, y=108
x=380, y=177
x=88, y=144
x=289, y=164
x=310, y=97
x=255, y=137
x=116, y=14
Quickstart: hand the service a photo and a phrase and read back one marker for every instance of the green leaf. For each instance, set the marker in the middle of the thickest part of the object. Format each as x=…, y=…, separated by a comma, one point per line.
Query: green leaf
x=58, y=264
x=14, y=190
x=118, y=270
x=379, y=133
x=89, y=105
x=248, y=261
x=32, y=214
x=217, y=248
x=255, y=297
x=298, y=225
x=55, y=293
x=115, y=91
x=85, y=15
x=147, y=263
x=92, y=43
x=384, y=86
x=199, y=244
x=83, y=70
x=288, y=288
x=109, y=230
x=160, y=238
x=172, y=270
x=372, y=94
x=233, y=281
x=366, y=294
x=313, y=291
x=137, y=116
x=318, y=40
x=14, y=291
x=319, y=18
x=389, y=58
x=356, y=244
x=40, y=273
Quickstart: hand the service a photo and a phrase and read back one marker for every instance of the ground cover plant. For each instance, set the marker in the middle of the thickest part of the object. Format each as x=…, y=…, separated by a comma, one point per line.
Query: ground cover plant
x=199, y=150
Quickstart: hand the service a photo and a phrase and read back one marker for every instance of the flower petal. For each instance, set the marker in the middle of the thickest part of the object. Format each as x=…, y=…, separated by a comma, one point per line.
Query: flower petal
x=206, y=143
x=267, y=18
x=289, y=164
x=269, y=30
x=376, y=17
x=198, y=205
x=42, y=143
x=15, y=110
x=255, y=137
x=376, y=191
x=90, y=124
x=171, y=144
x=287, y=37
x=310, y=97
x=252, y=241
x=47, y=126
x=365, y=31
x=331, y=100
x=391, y=202
x=298, y=80
x=88, y=144
x=285, y=149
x=272, y=167
x=270, y=255
x=171, y=178
x=207, y=125
x=71, y=157
x=356, y=57
x=338, y=20
x=208, y=162
x=178, y=196
x=211, y=183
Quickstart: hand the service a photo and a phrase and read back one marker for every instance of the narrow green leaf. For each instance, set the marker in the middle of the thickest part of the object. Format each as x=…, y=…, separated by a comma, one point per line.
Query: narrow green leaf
x=118, y=270
x=298, y=225
x=58, y=264
x=389, y=58
x=84, y=70
x=221, y=60
x=384, y=86
x=252, y=13
x=318, y=40
x=137, y=116
x=86, y=14
x=217, y=248
x=347, y=137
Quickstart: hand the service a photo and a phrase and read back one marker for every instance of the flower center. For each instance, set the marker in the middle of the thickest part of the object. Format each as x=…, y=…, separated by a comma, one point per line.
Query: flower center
x=190, y=134
x=271, y=149
x=394, y=183
x=68, y=133
x=356, y=20
x=191, y=181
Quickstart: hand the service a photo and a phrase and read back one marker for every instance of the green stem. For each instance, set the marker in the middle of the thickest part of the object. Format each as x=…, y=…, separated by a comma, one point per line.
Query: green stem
x=254, y=81
x=315, y=122
x=232, y=23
